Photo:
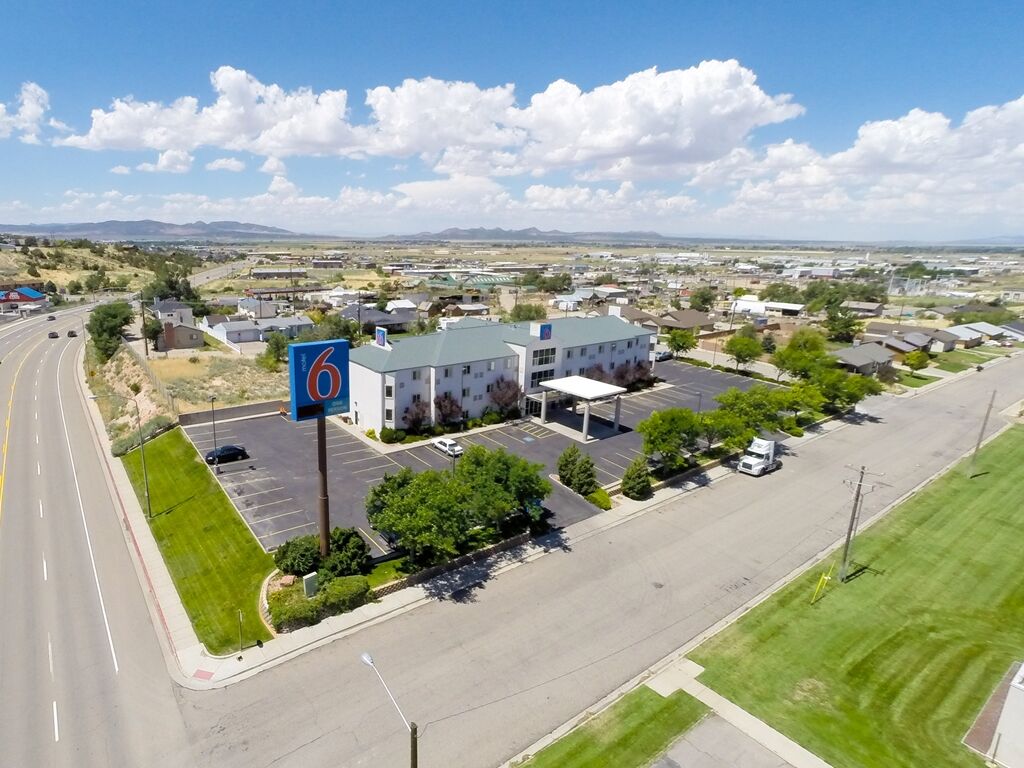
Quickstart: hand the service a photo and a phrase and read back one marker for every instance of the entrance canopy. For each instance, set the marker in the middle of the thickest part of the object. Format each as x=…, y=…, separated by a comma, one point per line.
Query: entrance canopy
x=583, y=388
x=587, y=390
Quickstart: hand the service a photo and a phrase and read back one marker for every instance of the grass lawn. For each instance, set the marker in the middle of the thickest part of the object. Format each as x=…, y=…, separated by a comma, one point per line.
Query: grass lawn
x=216, y=564
x=891, y=668
x=629, y=734
x=952, y=366
x=914, y=380
x=389, y=570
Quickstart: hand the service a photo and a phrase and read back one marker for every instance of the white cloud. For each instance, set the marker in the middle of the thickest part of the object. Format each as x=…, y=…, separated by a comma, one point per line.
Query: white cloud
x=274, y=166
x=171, y=161
x=121, y=170
x=232, y=164
x=33, y=103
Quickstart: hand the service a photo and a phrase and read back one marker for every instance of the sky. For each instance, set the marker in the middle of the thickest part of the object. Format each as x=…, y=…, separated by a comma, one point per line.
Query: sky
x=801, y=120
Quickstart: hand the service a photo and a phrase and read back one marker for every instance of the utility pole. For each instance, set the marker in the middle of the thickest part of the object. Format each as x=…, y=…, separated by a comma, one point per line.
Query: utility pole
x=851, y=531
x=981, y=432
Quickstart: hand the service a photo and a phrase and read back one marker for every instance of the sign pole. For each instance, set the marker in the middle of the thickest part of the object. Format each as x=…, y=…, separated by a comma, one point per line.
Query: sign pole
x=323, y=504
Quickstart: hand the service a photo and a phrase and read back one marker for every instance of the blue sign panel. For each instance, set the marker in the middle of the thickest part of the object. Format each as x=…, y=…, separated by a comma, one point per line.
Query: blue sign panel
x=380, y=337
x=545, y=332
x=318, y=376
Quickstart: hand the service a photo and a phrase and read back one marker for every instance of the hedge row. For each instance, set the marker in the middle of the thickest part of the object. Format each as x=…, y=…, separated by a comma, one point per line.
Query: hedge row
x=291, y=609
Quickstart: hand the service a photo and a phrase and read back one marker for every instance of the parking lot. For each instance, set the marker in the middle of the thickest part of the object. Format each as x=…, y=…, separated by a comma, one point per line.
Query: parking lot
x=276, y=489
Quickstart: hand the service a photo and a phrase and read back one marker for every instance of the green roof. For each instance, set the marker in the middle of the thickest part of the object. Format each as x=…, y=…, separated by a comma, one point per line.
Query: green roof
x=470, y=340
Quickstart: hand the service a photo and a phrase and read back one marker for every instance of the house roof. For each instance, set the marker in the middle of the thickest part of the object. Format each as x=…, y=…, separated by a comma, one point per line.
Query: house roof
x=685, y=318
x=870, y=306
x=862, y=355
x=986, y=328
x=285, y=322
x=167, y=305
x=239, y=325
x=628, y=312
x=31, y=293
x=917, y=339
x=898, y=344
x=964, y=332
x=582, y=387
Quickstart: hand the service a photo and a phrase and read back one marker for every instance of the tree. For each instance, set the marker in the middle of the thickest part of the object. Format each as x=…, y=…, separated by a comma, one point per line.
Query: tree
x=757, y=408
x=522, y=312
x=504, y=484
x=151, y=329
x=377, y=498
x=597, y=373
x=781, y=292
x=747, y=331
x=33, y=270
x=506, y=394
x=95, y=280
x=106, y=326
x=349, y=555
x=448, y=409
x=417, y=415
x=585, y=477
x=916, y=360
x=842, y=325
x=680, y=340
x=743, y=350
x=74, y=287
x=277, y=347
x=669, y=433
x=636, y=481
x=804, y=354
x=567, y=463
x=703, y=298
x=50, y=287
x=725, y=426
x=842, y=390
x=768, y=343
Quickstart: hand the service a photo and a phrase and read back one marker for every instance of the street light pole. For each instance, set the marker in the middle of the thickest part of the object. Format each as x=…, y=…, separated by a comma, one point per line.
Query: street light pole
x=414, y=731
x=213, y=417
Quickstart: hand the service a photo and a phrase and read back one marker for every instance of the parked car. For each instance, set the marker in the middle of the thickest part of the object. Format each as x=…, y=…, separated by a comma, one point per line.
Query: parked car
x=225, y=453
x=50, y=317
x=660, y=357
x=447, y=446
x=53, y=335
x=72, y=333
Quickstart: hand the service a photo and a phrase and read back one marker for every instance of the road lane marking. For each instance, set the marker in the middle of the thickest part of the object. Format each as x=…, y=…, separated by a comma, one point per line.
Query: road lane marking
x=44, y=567
x=56, y=729
x=39, y=470
x=37, y=438
x=49, y=653
x=40, y=509
x=85, y=524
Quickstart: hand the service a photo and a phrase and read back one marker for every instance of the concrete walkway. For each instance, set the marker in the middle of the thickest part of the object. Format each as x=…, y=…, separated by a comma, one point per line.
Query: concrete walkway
x=683, y=676
x=715, y=743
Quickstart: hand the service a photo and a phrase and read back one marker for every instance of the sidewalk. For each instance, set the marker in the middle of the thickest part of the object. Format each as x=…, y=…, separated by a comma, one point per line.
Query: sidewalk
x=191, y=666
x=720, y=358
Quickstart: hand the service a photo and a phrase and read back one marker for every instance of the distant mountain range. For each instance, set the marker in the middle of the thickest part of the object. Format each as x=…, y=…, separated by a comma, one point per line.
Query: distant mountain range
x=147, y=229
x=533, y=235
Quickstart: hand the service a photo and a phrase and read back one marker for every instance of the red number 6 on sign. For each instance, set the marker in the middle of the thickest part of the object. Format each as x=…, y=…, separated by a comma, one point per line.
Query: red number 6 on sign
x=316, y=373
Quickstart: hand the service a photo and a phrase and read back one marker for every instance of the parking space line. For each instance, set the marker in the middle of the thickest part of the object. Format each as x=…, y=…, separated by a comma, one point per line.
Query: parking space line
x=371, y=469
x=628, y=458
x=422, y=461
x=491, y=439
x=275, y=517
x=268, y=504
x=372, y=540
x=367, y=458
x=253, y=493
x=285, y=530
x=355, y=450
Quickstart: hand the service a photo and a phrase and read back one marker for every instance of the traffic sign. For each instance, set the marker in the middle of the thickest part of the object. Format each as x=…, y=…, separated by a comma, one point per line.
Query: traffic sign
x=318, y=377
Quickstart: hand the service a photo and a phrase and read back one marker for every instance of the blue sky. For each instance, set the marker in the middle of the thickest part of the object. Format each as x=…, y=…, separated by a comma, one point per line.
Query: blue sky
x=864, y=120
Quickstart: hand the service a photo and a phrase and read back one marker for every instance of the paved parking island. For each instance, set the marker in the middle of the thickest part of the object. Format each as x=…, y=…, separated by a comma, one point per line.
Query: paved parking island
x=275, y=490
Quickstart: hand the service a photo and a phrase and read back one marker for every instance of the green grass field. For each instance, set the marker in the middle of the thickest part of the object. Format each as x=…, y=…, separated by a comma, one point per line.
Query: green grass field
x=891, y=668
x=216, y=564
x=389, y=570
x=629, y=734
x=915, y=380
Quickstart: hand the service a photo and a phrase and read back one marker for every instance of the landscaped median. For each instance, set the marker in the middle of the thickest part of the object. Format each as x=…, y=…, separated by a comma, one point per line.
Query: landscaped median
x=217, y=565
x=892, y=667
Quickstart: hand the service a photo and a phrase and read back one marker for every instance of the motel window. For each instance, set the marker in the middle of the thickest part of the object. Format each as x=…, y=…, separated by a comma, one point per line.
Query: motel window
x=538, y=377
x=466, y=369
x=490, y=387
x=447, y=373
x=583, y=351
x=490, y=366
x=416, y=375
x=629, y=345
x=543, y=357
x=582, y=371
x=465, y=391
x=389, y=415
x=600, y=348
x=389, y=390
x=416, y=398
x=568, y=354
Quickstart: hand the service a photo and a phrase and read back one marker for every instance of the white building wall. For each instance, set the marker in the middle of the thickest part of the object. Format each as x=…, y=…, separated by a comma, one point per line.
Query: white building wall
x=366, y=397
x=1009, y=739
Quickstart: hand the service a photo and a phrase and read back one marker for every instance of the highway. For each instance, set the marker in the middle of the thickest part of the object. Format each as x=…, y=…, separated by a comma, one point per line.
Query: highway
x=82, y=679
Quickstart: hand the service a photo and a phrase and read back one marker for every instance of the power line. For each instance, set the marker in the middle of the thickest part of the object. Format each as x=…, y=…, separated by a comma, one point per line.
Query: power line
x=859, y=492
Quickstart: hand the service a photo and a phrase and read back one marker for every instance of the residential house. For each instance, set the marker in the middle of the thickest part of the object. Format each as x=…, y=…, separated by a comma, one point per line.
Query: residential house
x=179, y=336
x=399, y=304
x=864, y=308
x=173, y=312
x=940, y=340
x=466, y=310
x=371, y=317
x=257, y=309
x=630, y=314
x=237, y=331
x=898, y=347
x=291, y=327
x=684, y=320
x=966, y=337
x=865, y=359
x=988, y=330
x=467, y=358
x=1013, y=295
x=751, y=305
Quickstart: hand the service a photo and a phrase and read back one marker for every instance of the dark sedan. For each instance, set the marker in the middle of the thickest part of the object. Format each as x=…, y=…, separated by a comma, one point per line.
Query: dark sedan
x=225, y=453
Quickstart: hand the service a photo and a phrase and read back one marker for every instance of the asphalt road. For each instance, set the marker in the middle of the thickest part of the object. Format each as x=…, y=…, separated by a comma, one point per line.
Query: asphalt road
x=82, y=679
x=487, y=675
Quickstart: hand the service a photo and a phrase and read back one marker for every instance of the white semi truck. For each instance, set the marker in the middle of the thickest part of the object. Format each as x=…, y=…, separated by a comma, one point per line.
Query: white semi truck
x=760, y=458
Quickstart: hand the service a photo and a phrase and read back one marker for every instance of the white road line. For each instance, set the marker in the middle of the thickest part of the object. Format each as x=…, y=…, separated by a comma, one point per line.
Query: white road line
x=39, y=469
x=286, y=530
x=37, y=439
x=37, y=415
x=368, y=458
x=254, y=493
x=274, y=517
x=372, y=469
x=49, y=653
x=40, y=509
x=56, y=729
x=268, y=504
x=44, y=567
x=85, y=526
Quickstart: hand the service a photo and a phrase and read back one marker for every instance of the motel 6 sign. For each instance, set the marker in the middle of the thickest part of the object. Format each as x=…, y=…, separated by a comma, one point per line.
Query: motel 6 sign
x=318, y=374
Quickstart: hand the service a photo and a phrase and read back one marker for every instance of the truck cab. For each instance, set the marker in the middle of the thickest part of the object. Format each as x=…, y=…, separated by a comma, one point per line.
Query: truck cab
x=760, y=457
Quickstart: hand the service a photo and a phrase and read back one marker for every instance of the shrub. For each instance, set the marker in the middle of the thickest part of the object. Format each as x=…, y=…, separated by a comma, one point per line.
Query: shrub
x=350, y=554
x=694, y=361
x=298, y=556
x=600, y=499
x=135, y=387
x=789, y=424
x=371, y=433
x=410, y=439
x=130, y=441
x=400, y=435
x=636, y=482
x=585, y=477
x=291, y=609
x=567, y=464
x=387, y=435
x=341, y=595
x=194, y=359
x=491, y=417
x=796, y=432
x=474, y=423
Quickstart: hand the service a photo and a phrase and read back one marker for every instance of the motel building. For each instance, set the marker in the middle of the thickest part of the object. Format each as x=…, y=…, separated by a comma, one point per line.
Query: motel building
x=547, y=358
